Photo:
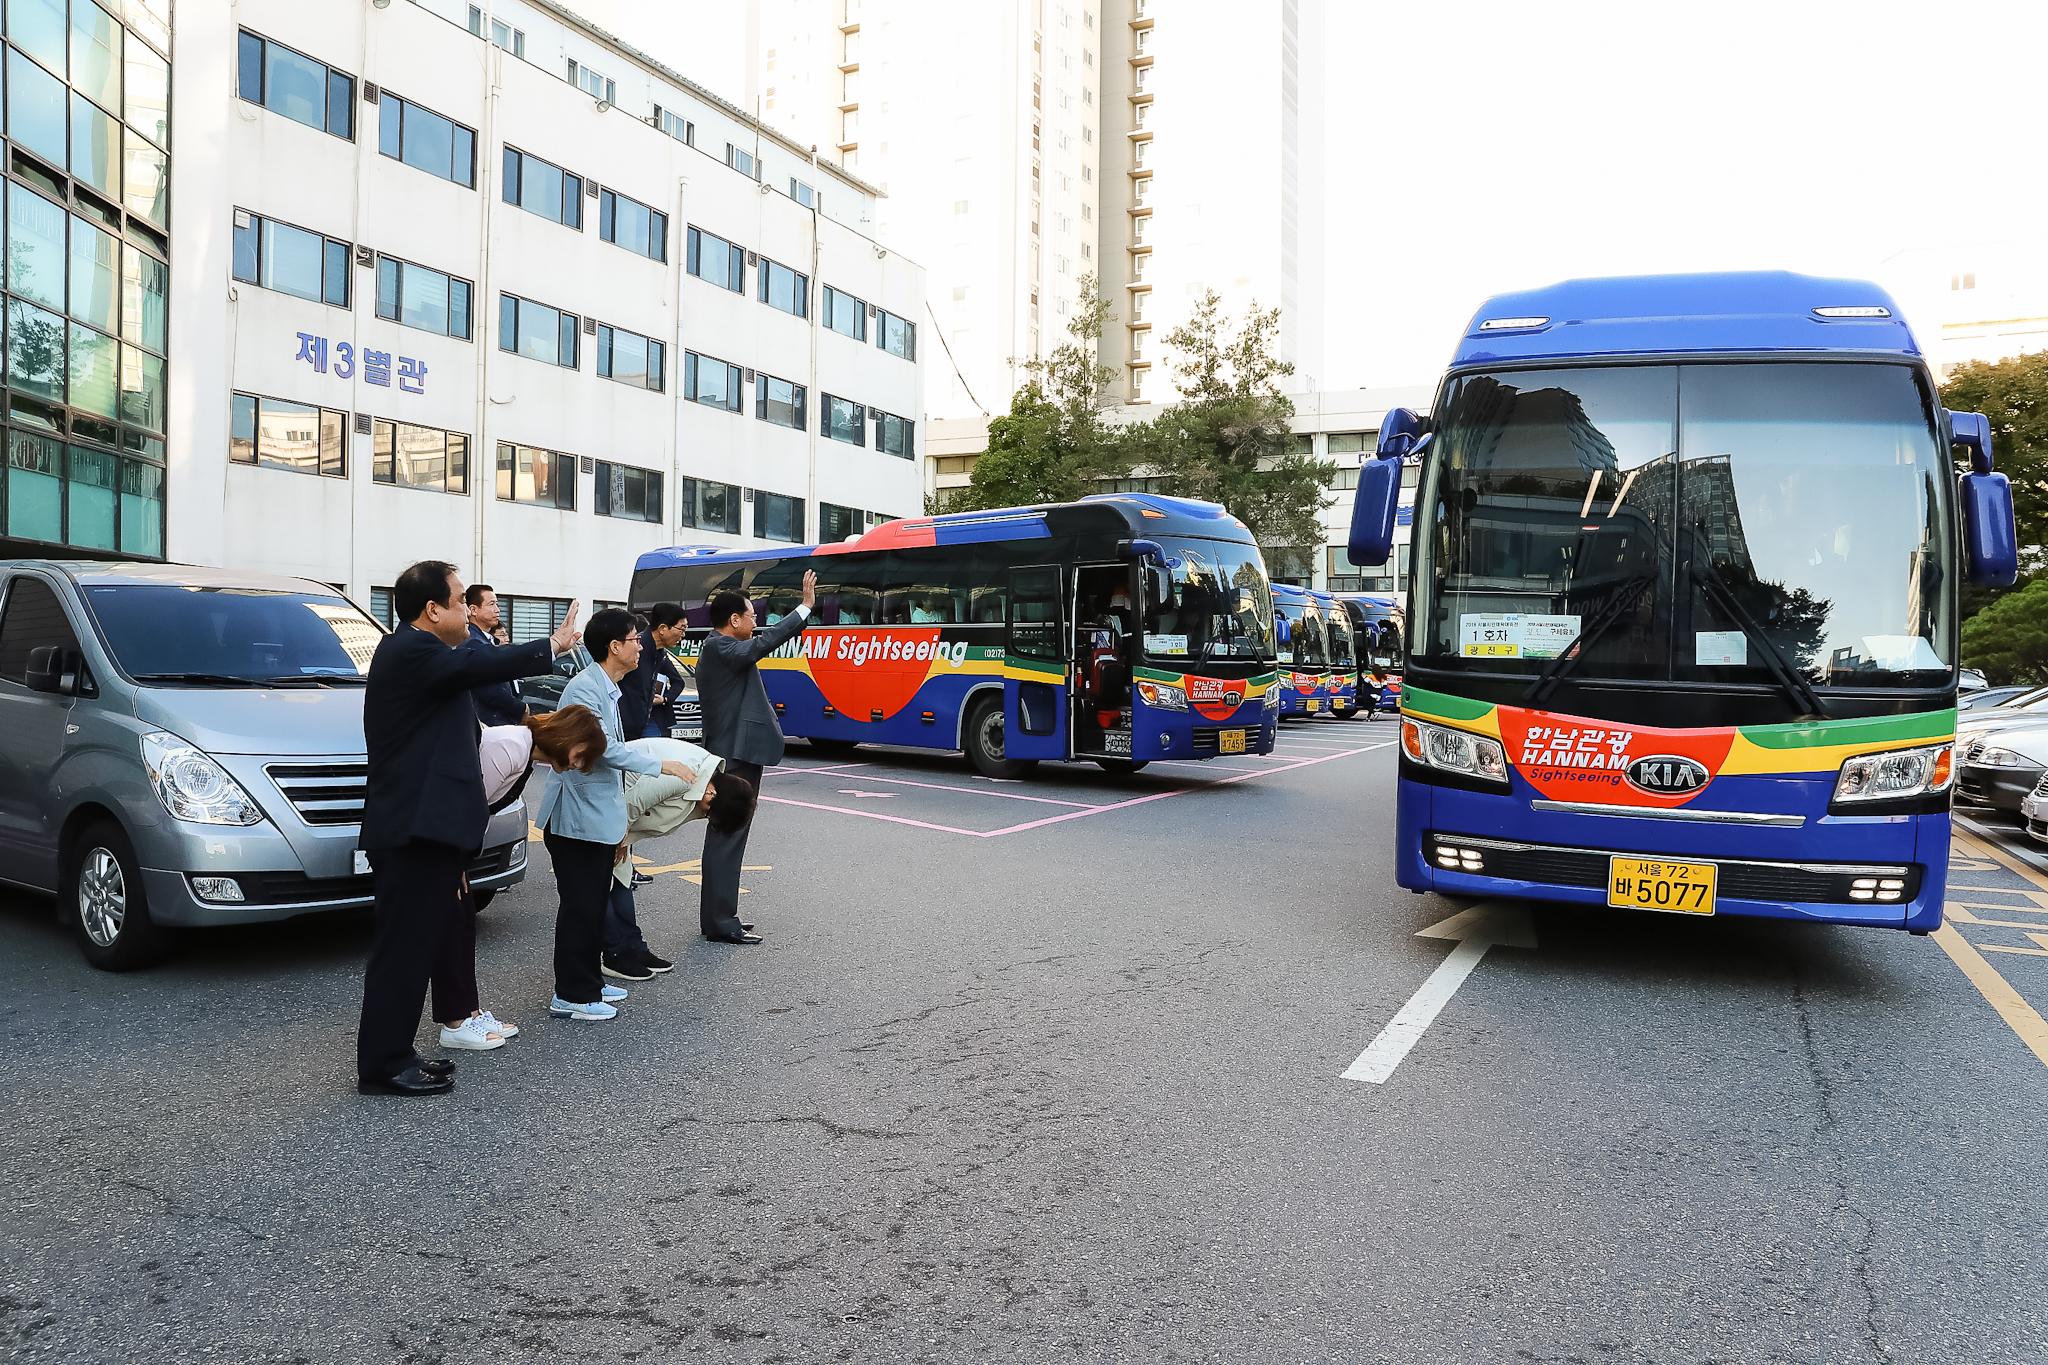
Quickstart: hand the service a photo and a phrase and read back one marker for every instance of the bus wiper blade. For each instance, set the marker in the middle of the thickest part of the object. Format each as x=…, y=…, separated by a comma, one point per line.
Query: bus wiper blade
x=210, y=679
x=1795, y=687
x=1568, y=658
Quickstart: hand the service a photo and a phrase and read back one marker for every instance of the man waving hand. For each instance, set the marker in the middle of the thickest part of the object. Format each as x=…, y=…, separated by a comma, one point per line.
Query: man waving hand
x=740, y=727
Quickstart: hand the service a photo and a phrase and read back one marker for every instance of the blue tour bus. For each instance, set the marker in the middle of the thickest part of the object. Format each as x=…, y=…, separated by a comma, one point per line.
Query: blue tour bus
x=1340, y=675
x=1683, y=625
x=1121, y=629
x=1304, y=652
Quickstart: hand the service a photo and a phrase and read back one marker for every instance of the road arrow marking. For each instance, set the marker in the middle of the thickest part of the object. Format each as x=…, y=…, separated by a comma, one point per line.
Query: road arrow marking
x=1475, y=930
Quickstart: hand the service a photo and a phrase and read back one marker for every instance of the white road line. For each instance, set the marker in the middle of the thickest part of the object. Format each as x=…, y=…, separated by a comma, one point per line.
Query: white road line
x=1478, y=928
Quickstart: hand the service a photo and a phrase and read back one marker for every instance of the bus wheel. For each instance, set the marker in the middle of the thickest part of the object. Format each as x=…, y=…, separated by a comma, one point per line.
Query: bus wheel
x=1122, y=767
x=984, y=740
x=833, y=746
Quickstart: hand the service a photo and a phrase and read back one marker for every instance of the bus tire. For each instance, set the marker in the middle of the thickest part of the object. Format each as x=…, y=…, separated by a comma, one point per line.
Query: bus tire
x=103, y=900
x=983, y=737
x=833, y=746
x=1122, y=767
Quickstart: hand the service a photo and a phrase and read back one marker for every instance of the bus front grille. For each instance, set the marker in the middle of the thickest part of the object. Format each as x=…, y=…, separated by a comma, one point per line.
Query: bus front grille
x=1794, y=883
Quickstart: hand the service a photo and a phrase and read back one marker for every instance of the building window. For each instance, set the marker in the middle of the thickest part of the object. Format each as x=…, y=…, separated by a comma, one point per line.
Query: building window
x=896, y=336
x=623, y=491
x=717, y=260
x=380, y=608
x=1342, y=479
x=511, y=39
x=894, y=435
x=705, y=505
x=415, y=296
x=279, y=435
x=783, y=288
x=802, y=193
x=632, y=225
x=845, y=421
x=544, y=188
x=846, y=314
x=287, y=82
x=1345, y=442
x=288, y=259
x=836, y=523
x=425, y=141
x=536, y=476
x=1964, y=281
x=677, y=127
x=779, y=401
x=630, y=358
x=476, y=21
x=711, y=382
x=419, y=457
x=593, y=83
x=1411, y=474
x=532, y=618
x=777, y=517
x=537, y=331
x=746, y=163
x=75, y=495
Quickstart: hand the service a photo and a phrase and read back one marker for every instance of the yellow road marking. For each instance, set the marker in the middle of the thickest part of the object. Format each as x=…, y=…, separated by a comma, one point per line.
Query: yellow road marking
x=1954, y=910
x=1997, y=991
x=2001, y=948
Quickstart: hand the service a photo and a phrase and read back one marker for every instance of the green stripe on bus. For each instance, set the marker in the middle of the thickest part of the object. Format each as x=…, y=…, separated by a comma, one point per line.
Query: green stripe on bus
x=1025, y=664
x=1867, y=730
x=1443, y=704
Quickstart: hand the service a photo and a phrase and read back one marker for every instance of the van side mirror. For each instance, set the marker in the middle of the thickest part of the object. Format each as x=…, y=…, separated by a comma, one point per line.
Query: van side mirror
x=54, y=669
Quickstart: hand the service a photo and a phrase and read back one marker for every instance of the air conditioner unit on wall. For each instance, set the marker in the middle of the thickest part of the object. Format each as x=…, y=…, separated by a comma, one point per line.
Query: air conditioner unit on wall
x=365, y=424
x=590, y=327
x=365, y=257
x=590, y=188
x=746, y=495
x=752, y=259
x=371, y=94
x=589, y=465
x=750, y=376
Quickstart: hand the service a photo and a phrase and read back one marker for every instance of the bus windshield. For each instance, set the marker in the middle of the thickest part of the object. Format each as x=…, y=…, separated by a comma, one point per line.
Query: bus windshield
x=1689, y=523
x=1340, y=639
x=1218, y=603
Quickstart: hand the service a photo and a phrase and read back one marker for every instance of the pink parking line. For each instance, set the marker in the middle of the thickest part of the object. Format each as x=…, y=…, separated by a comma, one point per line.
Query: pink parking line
x=820, y=768
x=873, y=815
x=971, y=791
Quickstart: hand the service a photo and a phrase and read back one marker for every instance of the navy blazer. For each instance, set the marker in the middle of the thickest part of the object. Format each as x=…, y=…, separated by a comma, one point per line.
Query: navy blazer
x=421, y=728
x=636, y=692
x=496, y=703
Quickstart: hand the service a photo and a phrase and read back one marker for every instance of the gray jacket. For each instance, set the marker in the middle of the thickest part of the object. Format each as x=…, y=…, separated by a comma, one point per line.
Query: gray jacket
x=739, y=720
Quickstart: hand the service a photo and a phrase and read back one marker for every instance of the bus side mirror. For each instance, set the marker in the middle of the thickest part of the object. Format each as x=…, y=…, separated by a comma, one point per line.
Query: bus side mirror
x=1148, y=549
x=1402, y=433
x=1972, y=431
x=1155, y=587
x=1990, y=539
x=1286, y=629
x=1373, y=510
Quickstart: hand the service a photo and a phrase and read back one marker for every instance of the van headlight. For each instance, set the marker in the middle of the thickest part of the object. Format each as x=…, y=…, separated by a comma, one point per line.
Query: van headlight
x=194, y=787
x=1162, y=696
x=1454, y=751
x=1894, y=773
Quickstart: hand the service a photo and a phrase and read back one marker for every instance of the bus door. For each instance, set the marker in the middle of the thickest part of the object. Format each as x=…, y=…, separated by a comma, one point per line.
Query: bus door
x=1035, y=666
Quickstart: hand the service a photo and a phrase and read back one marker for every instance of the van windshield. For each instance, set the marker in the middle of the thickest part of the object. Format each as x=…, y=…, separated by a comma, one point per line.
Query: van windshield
x=167, y=633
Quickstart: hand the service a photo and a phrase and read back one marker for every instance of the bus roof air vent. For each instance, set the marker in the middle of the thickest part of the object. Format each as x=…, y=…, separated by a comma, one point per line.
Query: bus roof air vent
x=1511, y=324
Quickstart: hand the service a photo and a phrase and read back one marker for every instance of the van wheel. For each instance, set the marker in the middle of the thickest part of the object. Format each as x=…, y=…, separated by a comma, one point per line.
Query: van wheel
x=1122, y=767
x=833, y=746
x=985, y=742
x=104, y=901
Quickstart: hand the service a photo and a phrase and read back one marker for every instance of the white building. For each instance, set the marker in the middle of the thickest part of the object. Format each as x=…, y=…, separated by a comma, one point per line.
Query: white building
x=1026, y=143
x=476, y=283
x=1974, y=300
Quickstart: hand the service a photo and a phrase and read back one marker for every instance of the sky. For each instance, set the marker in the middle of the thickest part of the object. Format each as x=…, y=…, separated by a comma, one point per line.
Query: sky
x=1476, y=146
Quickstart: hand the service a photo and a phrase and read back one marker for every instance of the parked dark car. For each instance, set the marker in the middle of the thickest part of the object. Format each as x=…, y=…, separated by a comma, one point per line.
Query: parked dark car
x=543, y=693
x=1989, y=697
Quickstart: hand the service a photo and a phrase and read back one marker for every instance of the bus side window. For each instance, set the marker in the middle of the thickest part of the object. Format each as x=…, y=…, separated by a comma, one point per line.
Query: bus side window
x=847, y=585
x=930, y=585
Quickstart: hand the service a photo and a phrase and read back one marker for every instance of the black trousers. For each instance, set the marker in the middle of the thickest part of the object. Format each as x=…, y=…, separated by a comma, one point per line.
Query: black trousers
x=454, y=969
x=583, y=873
x=718, y=907
x=419, y=887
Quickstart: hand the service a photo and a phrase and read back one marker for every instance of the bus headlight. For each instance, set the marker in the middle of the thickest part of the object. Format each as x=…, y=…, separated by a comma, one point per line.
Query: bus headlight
x=1454, y=751
x=1273, y=697
x=1162, y=696
x=1895, y=773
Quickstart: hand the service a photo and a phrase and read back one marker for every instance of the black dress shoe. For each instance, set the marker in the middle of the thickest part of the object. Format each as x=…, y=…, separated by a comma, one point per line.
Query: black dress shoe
x=440, y=1066
x=411, y=1081
x=743, y=938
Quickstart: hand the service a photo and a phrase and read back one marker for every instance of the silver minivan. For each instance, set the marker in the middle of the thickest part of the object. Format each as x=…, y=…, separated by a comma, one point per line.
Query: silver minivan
x=184, y=746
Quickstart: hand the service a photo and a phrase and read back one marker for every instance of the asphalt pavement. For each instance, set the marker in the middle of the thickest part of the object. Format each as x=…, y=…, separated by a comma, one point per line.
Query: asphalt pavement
x=1052, y=1070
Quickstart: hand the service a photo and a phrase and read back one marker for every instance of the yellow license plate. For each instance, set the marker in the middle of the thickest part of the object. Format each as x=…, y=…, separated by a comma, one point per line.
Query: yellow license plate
x=1230, y=741
x=1654, y=884
x=1311, y=704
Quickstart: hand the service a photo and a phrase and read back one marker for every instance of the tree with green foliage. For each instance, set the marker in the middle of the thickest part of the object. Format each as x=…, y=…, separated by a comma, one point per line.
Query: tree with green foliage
x=1053, y=445
x=2008, y=640
x=2013, y=393
x=1226, y=439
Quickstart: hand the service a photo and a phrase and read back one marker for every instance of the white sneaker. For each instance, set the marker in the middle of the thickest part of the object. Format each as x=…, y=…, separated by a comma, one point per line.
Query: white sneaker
x=596, y=1009
x=491, y=1025
x=616, y=993
x=470, y=1035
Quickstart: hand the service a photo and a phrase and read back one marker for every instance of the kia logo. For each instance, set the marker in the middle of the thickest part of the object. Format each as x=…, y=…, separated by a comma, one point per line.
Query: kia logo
x=1667, y=775
x=1232, y=698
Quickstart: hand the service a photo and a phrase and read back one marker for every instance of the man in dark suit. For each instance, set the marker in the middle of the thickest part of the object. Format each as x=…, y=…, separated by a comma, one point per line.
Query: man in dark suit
x=639, y=712
x=740, y=727
x=424, y=810
x=496, y=703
